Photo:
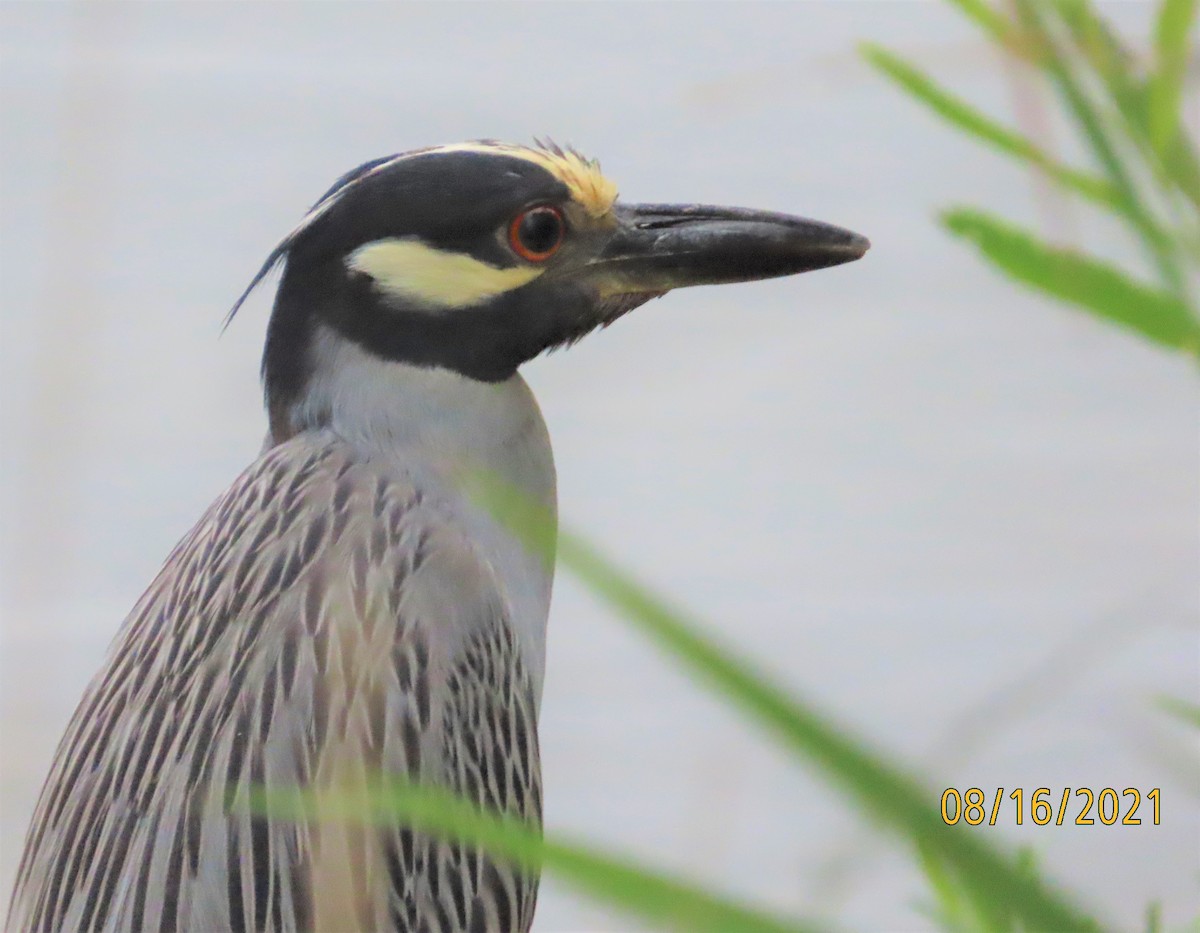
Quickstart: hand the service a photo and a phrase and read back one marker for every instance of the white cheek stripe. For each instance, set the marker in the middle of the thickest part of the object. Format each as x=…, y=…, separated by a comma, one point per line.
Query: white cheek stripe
x=432, y=278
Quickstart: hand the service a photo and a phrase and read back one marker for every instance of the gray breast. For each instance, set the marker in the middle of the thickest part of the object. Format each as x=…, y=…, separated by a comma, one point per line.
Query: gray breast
x=329, y=619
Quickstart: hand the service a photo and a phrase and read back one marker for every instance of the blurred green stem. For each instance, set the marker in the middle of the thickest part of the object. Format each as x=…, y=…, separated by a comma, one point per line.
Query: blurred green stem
x=1158, y=244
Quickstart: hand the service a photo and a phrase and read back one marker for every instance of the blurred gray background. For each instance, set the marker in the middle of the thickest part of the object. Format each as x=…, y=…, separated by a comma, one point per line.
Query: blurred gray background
x=960, y=518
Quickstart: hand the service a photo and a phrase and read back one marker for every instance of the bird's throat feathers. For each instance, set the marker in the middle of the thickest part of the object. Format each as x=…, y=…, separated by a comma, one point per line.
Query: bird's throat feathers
x=421, y=414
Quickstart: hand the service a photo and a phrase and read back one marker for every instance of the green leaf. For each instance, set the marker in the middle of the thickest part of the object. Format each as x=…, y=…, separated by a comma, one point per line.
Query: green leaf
x=656, y=898
x=996, y=882
x=955, y=910
x=1182, y=710
x=1099, y=288
x=961, y=114
x=1175, y=21
x=1154, y=917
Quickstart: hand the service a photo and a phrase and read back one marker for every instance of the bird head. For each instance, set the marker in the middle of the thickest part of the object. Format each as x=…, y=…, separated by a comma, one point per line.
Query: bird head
x=479, y=256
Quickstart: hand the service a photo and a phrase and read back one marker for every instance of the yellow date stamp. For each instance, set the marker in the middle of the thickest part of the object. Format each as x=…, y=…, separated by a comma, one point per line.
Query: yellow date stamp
x=1107, y=806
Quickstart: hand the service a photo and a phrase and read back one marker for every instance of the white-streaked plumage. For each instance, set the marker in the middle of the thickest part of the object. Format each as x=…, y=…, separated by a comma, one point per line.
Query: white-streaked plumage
x=254, y=626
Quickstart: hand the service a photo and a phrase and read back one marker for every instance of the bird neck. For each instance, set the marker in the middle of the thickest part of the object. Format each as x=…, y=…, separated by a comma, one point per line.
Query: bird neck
x=429, y=419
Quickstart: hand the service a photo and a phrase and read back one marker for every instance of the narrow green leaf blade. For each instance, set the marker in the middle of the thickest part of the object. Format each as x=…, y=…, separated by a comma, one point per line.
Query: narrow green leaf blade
x=1101, y=289
x=1183, y=167
x=1101, y=48
x=962, y=115
x=894, y=798
x=1154, y=918
x=1183, y=710
x=1175, y=21
x=657, y=898
x=1034, y=17
x=889, y=795
x=955, y=911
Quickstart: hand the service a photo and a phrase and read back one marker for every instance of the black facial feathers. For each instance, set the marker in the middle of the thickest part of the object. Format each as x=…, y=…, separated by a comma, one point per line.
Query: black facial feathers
x=455, y=200
x=451, y=199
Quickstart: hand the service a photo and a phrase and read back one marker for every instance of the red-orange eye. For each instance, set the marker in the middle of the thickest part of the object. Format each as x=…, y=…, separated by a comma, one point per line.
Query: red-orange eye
x=536, y=234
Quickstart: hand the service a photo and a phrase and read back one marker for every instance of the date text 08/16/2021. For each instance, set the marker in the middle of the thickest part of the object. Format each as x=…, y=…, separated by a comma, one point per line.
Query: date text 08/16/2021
x=1107, y=805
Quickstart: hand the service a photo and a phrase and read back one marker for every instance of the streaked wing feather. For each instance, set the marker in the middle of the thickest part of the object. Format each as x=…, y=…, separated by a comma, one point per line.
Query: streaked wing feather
x=320, y=625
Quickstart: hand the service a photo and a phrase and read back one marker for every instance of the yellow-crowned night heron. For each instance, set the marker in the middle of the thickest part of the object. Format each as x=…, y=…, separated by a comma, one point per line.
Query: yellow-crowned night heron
x=344, y=610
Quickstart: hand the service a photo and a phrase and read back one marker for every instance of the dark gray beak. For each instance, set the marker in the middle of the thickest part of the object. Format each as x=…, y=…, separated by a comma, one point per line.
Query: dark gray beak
x=657, y=247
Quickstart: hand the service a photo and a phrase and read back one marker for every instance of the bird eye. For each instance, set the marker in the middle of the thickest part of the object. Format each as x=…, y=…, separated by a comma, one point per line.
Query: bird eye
x=536, y=234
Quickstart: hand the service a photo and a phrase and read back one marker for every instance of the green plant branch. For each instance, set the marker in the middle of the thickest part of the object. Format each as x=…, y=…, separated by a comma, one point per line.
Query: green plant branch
x=1158, y=243
x=1132, y=137
x=1171, y=161
x=1175, y=162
